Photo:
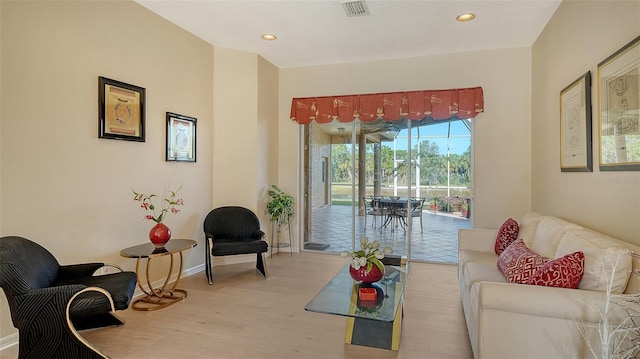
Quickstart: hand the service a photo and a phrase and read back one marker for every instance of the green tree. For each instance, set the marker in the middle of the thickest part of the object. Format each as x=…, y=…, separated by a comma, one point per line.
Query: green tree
x=340, y=163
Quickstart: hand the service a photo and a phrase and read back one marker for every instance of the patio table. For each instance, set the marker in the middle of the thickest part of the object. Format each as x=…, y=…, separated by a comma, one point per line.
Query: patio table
x=394, y=205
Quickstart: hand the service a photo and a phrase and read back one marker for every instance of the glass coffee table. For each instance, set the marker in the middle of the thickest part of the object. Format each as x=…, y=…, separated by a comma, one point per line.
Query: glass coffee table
x=373, y=323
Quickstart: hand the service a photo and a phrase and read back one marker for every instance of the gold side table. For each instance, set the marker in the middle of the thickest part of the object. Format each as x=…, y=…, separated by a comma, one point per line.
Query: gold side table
x=158, y=298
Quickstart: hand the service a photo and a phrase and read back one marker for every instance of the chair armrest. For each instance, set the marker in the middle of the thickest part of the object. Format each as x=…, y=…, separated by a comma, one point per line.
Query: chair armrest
x=258, y=234
x=78, y=270
x=44, y=295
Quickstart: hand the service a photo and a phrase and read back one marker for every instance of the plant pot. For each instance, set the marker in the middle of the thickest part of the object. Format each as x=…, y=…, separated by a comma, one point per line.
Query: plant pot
x=361, y=275
x=160, y=235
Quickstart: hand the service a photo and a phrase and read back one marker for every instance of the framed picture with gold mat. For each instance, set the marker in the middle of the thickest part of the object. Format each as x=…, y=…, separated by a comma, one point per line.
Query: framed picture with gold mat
x=120, y=110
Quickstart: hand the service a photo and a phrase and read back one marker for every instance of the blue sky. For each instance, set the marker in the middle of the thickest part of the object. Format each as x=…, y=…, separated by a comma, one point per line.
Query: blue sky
x=457, y=143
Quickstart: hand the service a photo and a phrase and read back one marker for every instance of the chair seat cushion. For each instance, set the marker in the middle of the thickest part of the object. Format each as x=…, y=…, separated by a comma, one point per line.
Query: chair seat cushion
x=225, y=247
x=120, y=285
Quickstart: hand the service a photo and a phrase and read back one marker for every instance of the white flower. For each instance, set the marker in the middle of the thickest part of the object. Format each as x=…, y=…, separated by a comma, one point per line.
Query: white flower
x=355, y=263
x=369, y=254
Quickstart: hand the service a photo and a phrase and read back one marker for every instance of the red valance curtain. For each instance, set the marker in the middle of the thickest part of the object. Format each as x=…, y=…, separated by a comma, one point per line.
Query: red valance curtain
x=392, y=106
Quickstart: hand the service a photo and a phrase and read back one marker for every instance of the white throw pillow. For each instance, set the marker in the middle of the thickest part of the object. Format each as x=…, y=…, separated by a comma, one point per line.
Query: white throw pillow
x=528, y=225
x=600, y=255
x=548, y=234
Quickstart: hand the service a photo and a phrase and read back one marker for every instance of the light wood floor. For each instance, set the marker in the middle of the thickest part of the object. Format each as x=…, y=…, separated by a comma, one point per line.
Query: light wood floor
x=244, y=316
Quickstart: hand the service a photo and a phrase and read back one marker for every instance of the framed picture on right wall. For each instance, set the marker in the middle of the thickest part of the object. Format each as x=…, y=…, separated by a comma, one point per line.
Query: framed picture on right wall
x=575, y=126
x=619, y=111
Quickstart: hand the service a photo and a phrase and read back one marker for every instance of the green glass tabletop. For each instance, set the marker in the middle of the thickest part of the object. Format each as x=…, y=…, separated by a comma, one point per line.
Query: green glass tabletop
x=340, y=295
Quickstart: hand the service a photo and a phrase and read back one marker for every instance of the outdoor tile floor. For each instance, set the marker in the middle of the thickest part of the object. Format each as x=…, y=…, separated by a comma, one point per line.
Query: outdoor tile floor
x=437, y=243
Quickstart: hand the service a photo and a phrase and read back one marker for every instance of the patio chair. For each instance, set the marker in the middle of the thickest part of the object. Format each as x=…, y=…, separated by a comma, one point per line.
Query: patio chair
x=417, y=205
x=49, y=303
x=374, y=209
x=233, y=230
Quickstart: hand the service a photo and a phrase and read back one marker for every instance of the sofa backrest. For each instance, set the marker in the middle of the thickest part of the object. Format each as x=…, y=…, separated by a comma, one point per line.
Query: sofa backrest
x=633, y=285
x=528, y=225
x=605, y=259
x=549, y=232
x=554, y=237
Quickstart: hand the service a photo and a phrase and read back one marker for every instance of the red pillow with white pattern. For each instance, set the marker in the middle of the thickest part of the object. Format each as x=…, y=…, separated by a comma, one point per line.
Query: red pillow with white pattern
x=563, y=272
x=519, y=263
x=507, y=233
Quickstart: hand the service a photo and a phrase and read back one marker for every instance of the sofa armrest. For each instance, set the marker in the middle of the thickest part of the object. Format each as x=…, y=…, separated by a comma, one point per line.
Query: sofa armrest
x=477, y=239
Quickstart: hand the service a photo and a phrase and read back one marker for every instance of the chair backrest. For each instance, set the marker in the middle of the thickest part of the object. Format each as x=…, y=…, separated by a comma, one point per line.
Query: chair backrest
x=25, y=265
x=232, y=222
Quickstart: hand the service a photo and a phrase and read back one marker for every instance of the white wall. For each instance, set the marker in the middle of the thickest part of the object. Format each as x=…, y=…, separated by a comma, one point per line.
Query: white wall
x=502, y=153
x=244, y=134
x=235, y=129
x=61, y=185
x=580, y=35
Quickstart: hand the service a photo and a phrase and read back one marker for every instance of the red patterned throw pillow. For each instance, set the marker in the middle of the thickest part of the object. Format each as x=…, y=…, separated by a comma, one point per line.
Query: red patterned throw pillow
x=563, y=272
x=518, y=263
x=507, y=233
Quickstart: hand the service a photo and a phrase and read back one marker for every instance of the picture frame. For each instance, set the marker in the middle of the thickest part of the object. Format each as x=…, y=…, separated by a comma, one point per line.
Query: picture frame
x=181, y=138
x=619, y=109
x=121, y=110
x=576, y=151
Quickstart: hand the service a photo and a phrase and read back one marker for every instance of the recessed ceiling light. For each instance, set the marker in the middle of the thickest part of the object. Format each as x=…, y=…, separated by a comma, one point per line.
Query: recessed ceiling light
x=268, y=37
x=466, y=17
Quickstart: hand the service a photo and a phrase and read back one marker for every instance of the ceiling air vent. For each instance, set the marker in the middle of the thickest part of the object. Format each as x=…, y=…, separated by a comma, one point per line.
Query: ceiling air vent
x=355, y=8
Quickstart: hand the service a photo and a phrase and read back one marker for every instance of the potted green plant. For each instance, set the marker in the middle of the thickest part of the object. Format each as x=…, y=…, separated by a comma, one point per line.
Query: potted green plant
x=279, y=207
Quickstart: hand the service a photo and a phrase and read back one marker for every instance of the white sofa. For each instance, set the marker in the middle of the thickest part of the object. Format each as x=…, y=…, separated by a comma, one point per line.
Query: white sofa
x=509, y=320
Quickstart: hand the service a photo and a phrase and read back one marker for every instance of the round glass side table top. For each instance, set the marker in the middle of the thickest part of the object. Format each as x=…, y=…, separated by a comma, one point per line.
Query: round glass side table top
x=149, y=249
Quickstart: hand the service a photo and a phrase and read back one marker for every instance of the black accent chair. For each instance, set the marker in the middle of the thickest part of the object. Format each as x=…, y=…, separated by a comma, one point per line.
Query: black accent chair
x=49, y=303
x=233, y=230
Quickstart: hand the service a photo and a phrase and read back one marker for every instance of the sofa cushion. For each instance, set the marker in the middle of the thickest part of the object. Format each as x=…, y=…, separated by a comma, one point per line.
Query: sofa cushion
x=548, y=234
x=481, y=272
x=601, y=253
x=563, y=272
x=507, y=233
x=518, y=263
x=528, y=225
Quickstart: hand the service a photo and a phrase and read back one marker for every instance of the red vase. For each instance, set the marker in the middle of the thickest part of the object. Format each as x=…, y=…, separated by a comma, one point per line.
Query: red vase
x=361, y=275
x=160, y=235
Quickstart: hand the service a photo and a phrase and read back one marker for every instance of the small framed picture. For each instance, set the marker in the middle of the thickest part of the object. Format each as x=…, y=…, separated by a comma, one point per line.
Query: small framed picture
x=575, y=126
x=619, y=100
x=181, y=138
x=120, y=110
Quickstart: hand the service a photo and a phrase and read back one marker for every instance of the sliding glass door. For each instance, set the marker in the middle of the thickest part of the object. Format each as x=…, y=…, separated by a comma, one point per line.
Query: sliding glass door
x=380, y=179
